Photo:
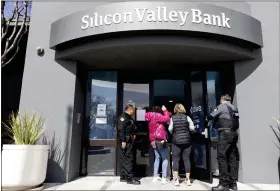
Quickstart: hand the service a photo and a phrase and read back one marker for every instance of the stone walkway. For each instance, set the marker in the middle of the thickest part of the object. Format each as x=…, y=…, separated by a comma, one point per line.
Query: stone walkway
x=112, y=183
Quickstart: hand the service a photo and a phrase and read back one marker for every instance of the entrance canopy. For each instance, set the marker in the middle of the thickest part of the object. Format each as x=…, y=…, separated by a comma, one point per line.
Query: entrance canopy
x=153, y=52
x=155, y=34
x=149, y=16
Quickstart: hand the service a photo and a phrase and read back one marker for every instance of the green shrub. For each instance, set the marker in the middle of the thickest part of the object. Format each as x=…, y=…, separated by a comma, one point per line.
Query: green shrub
x=26, y=129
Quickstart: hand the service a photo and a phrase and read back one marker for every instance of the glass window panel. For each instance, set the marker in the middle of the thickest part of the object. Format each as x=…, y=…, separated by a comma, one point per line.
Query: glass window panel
x=169, y=88
x=137, y=94
x=213, y=93
x=102, y=104
x=213, y=90
x=197, y=109
x=101, y=161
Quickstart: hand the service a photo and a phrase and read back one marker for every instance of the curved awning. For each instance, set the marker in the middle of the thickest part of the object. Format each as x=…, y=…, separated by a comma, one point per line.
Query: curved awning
x=156, y=16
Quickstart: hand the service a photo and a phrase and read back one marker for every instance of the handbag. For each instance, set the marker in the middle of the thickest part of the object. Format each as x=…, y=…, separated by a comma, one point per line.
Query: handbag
x=160, y=144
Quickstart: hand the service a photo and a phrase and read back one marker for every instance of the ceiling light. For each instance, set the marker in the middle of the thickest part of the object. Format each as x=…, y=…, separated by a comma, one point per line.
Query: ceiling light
x=170, y=101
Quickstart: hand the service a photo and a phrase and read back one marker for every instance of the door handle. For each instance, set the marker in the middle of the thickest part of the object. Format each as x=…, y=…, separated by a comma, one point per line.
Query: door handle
x=205, y=133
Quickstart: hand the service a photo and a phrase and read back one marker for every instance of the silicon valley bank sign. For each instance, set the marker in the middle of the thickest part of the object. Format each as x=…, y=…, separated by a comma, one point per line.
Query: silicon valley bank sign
x=159, y=15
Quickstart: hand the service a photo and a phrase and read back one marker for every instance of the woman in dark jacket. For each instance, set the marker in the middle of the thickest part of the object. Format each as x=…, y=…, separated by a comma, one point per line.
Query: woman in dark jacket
x=180, y=127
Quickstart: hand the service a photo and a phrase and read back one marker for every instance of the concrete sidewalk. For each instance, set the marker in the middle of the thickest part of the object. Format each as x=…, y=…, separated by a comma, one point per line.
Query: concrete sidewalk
x=112, y=183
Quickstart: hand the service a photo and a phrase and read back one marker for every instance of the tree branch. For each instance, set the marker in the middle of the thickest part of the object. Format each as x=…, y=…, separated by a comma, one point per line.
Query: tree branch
x=2, y=10
x=14, y=31
x=17, y=38
x=3, y=20
x=9, y=21
x=3, y=64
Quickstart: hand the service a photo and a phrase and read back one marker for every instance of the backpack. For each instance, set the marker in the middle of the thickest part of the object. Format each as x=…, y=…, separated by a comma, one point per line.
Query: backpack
x=234, y=115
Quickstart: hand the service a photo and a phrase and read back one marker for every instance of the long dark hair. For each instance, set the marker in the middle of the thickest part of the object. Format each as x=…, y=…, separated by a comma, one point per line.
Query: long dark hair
x=157, y=109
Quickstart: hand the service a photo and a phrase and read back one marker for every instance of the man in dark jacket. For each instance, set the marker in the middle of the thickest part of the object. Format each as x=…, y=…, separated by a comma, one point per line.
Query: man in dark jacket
x=226, y=122
x=126, y=133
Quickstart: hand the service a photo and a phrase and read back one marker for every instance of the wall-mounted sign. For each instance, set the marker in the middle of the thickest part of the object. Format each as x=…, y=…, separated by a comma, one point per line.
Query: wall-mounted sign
x=143, y=16
x=140, y=114
x=198, y=117
x=159, y=15
x=195, y=109
x=101, y=110
x=101, y=120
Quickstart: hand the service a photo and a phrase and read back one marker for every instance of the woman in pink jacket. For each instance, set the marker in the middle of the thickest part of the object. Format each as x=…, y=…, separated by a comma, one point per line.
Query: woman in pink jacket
x=157, y=135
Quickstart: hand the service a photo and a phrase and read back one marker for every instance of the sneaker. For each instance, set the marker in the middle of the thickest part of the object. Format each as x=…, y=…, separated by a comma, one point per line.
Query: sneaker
x=164, y=181
x=176, y=182
x=156, y=179
x=188, y=182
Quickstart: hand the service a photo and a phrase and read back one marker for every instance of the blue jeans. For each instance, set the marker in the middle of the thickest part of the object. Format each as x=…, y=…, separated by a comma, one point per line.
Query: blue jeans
x=163, y=154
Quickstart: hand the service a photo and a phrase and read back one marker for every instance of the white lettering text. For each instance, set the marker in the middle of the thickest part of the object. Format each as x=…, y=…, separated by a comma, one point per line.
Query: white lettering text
x=155, y=15
x=85, y=21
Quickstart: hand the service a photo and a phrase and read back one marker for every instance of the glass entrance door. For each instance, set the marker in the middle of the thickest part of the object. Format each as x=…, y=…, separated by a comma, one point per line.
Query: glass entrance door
x=168, y=92
x=109, y=91
x=138, y=95
x=201, y=153
x=136, y=91
x=99, y=140
x=145, y=90
x=189, y=90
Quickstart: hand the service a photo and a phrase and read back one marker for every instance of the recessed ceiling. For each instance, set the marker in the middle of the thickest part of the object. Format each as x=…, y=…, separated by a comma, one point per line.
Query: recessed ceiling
x=152, y=55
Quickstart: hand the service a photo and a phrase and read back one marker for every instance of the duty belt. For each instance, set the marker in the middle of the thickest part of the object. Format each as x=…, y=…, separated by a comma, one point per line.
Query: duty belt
x=224, y=129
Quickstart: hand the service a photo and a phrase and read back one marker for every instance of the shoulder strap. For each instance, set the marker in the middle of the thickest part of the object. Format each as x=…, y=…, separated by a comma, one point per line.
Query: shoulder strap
x=230, y=110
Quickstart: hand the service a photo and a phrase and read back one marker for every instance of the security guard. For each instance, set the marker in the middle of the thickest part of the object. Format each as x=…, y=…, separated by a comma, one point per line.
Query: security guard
x=126, y=132
x=226, y=119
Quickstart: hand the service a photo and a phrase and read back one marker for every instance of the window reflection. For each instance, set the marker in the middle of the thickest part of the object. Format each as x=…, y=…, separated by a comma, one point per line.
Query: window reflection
x=169, y=88
x=101, y=161
x=169, y=92
x=213, y=93
x=136, y=94
x=102, y=105
x=197, y=110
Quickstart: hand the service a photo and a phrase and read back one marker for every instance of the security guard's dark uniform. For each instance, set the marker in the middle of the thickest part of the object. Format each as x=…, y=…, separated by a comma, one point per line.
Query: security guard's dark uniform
x=227, y=151
x=126, y=131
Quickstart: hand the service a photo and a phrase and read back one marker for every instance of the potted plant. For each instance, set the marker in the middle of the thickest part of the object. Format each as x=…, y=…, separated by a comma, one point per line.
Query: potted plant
x=276, y=131
x=24, y=162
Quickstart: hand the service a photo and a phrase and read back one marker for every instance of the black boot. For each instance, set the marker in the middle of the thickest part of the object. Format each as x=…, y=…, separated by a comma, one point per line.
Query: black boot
x=233, y=186
x=133, y=181
x=122, y=179
x=220, y=187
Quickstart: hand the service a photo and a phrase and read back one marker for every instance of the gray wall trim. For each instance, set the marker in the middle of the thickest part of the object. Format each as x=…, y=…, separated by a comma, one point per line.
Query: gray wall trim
x=240, y=25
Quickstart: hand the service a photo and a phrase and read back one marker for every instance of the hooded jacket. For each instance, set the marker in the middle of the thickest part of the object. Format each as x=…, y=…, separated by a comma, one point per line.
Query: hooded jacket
x=156, y=120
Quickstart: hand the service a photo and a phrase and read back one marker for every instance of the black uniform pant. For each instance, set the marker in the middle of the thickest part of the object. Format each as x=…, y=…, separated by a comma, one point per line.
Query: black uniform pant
x=127, y=161
x=228, y=157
